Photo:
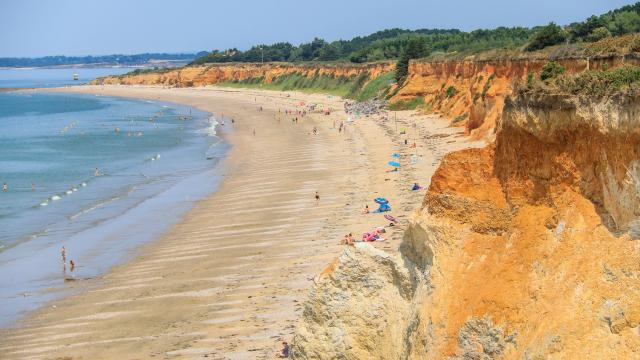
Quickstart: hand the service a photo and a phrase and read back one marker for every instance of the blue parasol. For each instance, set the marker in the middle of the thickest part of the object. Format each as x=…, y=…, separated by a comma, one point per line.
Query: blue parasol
x=394, y=163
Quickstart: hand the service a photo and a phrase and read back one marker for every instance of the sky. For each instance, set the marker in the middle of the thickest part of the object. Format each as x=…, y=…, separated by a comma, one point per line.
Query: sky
x=30, y=28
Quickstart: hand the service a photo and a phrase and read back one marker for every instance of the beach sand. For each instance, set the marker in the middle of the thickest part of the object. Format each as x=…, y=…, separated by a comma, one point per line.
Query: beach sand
x=229, y=280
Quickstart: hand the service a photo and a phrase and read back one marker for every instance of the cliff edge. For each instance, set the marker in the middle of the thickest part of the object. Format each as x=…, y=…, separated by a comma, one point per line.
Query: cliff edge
x=525, y=249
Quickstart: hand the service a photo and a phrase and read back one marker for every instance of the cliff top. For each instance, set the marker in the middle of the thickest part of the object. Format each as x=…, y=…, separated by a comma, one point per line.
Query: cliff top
x=593, y=83
x=610, y=46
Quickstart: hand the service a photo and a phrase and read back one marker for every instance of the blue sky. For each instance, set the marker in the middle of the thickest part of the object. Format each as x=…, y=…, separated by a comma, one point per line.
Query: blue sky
x=96, y=27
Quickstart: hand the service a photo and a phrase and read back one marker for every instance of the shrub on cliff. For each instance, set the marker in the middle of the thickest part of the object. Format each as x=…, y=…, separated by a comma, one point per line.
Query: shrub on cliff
x=409, y=104
x=600, y=83
x=451, y=91
x=593, y=83
x=551, y=34
x=551, y=70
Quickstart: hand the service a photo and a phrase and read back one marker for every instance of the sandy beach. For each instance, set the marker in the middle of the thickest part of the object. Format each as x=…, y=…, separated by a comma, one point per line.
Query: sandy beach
x=228, y=281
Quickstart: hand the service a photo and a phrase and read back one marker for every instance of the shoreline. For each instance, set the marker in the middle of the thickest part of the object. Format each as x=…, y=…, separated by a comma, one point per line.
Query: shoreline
x=229, y=278
x=104, y=224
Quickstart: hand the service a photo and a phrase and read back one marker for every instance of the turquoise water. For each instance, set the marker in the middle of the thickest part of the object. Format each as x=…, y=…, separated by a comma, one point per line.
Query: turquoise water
x=40, y=78
x=154, y=161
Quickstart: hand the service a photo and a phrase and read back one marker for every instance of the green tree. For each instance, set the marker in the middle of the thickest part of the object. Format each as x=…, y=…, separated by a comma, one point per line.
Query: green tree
x=599, y=34
x=624, y=23
x=551, y=34
x=580, y=31
x=328, y=52
x=415, y=48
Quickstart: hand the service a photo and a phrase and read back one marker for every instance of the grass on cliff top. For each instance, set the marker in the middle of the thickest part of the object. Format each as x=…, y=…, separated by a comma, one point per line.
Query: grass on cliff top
x=352, y=87
x=409, y=104
x=338, y=85
x=592, y=82
x=610, y=46
x=377, y=88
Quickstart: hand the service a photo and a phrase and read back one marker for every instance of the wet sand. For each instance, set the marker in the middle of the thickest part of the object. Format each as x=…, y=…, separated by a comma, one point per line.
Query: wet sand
x=228, y=281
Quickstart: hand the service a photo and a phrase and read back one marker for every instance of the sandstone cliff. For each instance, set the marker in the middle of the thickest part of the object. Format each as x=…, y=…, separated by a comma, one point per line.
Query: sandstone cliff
x=522, y=250
x=472, y=92
x=216, y=73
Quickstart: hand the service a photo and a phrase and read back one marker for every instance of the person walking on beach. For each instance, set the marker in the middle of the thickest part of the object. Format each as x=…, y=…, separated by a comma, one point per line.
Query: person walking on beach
x=254, y=132
x=317, y=197
x=72, y=265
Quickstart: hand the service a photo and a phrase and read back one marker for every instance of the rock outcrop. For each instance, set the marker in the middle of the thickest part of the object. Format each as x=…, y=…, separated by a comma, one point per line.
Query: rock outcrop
x=522, y=250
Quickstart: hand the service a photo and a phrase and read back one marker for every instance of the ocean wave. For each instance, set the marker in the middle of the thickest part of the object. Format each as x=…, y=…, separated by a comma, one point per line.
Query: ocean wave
x=102, y=203
x=57, y=197
x=211, y=129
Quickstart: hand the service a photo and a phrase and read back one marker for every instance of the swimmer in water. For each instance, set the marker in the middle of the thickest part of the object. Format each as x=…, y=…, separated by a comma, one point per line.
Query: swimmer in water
x=97, y=172
x=5, y=187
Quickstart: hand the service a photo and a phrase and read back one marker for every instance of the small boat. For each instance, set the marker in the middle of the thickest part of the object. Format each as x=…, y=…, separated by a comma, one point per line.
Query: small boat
x=75, y=77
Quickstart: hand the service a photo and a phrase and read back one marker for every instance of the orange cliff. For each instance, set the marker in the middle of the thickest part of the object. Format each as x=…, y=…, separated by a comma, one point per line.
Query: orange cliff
x=479, y=87
x=211, y=74
x=526, y=249
x=471, y=93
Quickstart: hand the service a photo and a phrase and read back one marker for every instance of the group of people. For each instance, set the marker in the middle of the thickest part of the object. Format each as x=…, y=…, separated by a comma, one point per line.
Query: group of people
x=5, y=187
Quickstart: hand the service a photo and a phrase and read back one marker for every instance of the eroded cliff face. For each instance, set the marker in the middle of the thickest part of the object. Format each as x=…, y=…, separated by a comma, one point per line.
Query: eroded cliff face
x=522, y=250
x=481, y=86
x=471, y=93
x=213, y=74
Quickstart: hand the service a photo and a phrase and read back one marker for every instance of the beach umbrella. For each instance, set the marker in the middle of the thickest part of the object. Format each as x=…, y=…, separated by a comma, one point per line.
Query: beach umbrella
x=394, y=163
x=395, y=155
x=390, y=218
x=381, y=200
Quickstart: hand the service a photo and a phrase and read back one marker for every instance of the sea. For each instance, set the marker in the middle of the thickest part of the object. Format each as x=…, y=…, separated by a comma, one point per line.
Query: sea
x=98, y=175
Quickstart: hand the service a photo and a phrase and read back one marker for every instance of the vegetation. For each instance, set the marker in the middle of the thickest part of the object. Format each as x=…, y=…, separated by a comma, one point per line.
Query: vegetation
x=156, y=70
x=487, y=86
x=403, y=45
x=551, y=34
x=551, y=70
x=352, y=87
x=459, y=118
x=414, y=49
x=451, y=91
x=377, y=88
x=593, y=83
x=108, y=60
x=599, y=83
x=409, y=104
x=382, y=45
